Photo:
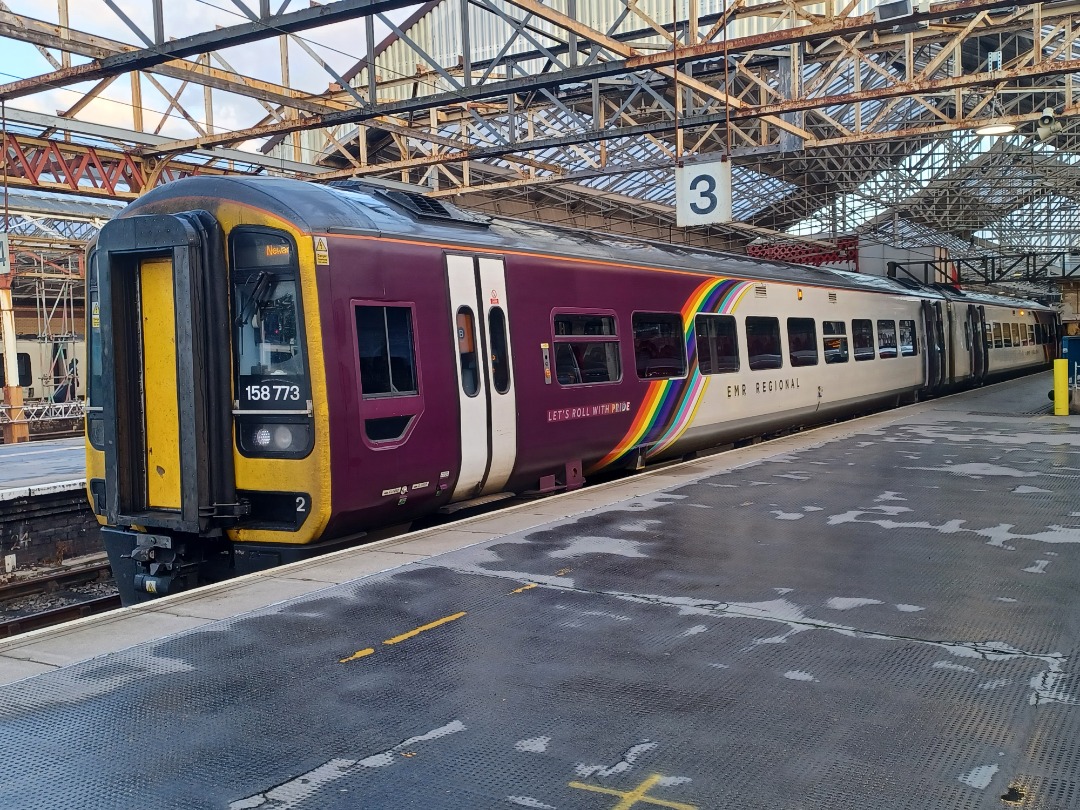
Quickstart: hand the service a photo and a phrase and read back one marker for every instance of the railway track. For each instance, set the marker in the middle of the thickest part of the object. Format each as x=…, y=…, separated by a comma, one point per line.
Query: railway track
x=54, y=616
x=19, y=598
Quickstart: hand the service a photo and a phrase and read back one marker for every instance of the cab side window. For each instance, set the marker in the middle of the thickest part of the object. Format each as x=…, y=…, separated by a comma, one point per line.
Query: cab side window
x=385, y=342
x=390, y=397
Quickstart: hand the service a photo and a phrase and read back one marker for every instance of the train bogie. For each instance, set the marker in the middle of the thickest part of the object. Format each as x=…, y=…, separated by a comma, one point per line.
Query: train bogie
x=291, y=366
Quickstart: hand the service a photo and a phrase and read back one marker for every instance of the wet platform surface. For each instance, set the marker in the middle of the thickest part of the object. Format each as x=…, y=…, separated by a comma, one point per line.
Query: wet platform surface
x=42, y=463
x=882, y=614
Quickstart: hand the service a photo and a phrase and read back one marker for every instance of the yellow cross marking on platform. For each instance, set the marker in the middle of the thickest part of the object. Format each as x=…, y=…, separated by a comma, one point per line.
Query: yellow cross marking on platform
x=628, y=798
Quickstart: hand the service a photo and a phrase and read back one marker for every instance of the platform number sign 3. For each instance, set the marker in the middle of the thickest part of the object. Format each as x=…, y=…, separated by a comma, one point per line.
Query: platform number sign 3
x=703, y=193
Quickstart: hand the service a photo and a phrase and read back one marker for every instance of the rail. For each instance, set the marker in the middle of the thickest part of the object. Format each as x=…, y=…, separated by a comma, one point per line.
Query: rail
x=67, y=613
x=12, y=592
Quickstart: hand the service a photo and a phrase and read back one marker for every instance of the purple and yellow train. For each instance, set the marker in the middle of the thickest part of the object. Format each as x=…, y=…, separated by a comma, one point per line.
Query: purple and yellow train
x=278, y=367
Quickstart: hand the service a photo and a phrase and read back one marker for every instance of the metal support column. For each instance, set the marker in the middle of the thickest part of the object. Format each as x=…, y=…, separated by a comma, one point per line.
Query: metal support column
x=15, y=427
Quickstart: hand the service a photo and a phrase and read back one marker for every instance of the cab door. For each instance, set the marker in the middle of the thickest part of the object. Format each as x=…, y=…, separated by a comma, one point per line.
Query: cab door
x=480, y=319
x=163, y=317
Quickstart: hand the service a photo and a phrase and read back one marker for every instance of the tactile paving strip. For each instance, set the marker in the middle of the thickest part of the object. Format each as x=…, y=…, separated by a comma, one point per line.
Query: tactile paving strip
x=885, y=621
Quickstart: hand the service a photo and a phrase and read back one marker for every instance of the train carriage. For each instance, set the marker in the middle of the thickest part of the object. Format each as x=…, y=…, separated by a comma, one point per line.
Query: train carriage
x=279, y=367
x=49, y=368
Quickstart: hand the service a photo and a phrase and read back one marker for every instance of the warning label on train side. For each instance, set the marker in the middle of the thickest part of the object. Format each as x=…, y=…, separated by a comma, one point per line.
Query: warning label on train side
x=322, y=253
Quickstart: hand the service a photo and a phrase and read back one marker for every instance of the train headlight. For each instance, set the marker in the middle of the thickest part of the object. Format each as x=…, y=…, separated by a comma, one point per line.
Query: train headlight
x=275, y=439
x=283, y=437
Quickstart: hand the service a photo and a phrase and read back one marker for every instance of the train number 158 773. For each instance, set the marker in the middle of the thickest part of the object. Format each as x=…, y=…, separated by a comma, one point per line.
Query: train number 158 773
x=273, y=392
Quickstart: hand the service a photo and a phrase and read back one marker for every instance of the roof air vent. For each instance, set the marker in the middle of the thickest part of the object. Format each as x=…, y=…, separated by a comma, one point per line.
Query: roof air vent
x=417, y=204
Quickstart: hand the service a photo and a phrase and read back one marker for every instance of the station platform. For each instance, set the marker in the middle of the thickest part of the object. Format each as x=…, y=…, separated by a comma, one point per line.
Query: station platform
x=44, y=515
x=876, y=614
x=53, y=465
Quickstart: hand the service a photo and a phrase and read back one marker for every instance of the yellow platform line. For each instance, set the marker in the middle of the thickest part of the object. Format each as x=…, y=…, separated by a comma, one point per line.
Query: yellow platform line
x=419, y=630
x=357, y=654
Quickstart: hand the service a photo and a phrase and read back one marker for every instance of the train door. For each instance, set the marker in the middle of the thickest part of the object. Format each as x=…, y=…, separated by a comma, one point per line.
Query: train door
x=486, y=395
x=935, y=357
x=164, y=379
x=977, y=323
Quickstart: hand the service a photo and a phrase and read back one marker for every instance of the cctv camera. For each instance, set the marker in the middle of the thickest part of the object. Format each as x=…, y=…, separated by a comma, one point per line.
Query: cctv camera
x=1047, y=117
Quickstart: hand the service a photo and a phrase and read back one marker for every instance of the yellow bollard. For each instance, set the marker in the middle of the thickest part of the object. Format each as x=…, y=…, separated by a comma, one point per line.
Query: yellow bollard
x=1061, y=388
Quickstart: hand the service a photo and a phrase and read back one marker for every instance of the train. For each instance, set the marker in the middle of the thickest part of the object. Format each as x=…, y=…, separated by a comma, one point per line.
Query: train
x=49, y=368
x=277, y=367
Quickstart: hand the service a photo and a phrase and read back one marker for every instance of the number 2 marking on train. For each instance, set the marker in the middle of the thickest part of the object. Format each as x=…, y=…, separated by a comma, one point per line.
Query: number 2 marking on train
x=301, y=503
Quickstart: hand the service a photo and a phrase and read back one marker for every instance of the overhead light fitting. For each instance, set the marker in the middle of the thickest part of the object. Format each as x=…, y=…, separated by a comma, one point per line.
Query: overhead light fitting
x=995, y=128
x=994, y=125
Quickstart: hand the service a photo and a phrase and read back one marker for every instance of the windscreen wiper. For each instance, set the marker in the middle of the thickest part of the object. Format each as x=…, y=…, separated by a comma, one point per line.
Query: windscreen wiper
x=258, y=296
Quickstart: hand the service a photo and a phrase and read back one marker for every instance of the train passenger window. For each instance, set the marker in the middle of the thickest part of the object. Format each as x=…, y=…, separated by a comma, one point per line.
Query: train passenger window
x=886, y=334
x=909, y=339
x=998, y=340
x=26, y=376
x=384, y=335
x=1031, y=334
x=659, y=345
x=500, y=355
x=967, y=336
x=862, y=336
x=802, y=341
x=586, y=348
x=763, y=343
x=834, y=341
x=466, y=337
x=1006, y=335
x=717, y=344
x=1038, y=334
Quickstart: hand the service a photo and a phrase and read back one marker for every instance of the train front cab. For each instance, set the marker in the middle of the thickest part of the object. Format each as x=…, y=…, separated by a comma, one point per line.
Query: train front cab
x=171, y=487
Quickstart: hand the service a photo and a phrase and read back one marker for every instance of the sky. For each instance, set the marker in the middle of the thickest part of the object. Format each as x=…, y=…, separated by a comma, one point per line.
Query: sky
x=341, y=46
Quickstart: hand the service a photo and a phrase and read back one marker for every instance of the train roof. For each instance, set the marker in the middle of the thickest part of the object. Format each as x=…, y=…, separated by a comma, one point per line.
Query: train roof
x=371, y=208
